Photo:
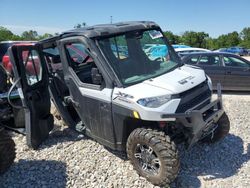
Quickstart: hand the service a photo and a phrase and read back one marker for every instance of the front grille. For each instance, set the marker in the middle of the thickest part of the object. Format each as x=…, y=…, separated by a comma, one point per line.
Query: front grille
x=194, y=97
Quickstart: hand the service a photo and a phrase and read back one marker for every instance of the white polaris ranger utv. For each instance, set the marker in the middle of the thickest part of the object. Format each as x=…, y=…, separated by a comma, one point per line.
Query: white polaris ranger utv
x=104, y=84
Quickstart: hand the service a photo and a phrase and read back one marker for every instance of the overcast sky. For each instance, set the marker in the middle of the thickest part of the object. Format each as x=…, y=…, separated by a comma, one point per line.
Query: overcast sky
x=215, y=17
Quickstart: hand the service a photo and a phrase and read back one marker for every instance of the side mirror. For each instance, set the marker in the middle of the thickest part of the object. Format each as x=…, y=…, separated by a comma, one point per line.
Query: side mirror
x=96, y=76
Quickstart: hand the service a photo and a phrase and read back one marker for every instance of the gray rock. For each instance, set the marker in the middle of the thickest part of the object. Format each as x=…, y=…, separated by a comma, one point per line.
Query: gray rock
x=68, y=159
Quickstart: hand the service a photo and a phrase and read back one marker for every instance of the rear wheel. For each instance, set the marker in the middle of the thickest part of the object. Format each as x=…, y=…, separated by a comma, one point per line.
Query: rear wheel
x=7, y=151
x=153, y=156
x=220, y=132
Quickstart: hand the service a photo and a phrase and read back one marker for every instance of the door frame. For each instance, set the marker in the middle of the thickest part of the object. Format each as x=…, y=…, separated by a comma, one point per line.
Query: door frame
x=90, y=92
x=33, y=137
x=220, y=68
x=236, y=69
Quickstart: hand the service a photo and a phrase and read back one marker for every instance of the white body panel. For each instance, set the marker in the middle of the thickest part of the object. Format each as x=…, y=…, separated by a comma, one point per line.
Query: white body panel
x=103, y=95
x=174, y=82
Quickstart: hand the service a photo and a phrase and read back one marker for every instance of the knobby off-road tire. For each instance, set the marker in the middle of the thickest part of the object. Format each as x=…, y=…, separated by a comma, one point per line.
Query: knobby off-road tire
x=153, y=155
x=220, y=132
x=7, y=151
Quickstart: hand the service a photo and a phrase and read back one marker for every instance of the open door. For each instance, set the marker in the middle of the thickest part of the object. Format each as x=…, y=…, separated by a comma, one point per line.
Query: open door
x=31, y=79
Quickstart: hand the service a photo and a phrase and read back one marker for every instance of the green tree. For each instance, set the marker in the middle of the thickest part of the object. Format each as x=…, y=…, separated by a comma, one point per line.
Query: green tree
x=222, y=41
x=195, y=39
x=16, y=37
x=211, y=43
x=44, y=36
x=5, y=34
x=233, y=39
x=228, y=40
x=245, y=36
x=30, y=35
x=173, y=39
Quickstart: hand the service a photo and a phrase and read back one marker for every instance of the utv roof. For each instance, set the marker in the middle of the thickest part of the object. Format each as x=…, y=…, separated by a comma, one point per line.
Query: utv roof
x=17, y=41
x=109, y=29
x=106, y=29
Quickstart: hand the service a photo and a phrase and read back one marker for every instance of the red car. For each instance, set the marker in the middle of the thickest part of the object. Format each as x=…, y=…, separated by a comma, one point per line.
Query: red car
x=27, y=58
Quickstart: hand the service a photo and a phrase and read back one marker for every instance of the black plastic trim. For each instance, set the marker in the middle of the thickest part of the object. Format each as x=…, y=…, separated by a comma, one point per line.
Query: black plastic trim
x=198, y=120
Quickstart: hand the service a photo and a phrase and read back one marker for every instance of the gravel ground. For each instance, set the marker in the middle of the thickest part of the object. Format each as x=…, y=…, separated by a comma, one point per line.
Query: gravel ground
x=68, y=159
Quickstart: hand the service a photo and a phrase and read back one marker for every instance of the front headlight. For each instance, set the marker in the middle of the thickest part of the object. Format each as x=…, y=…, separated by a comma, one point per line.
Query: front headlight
x=209, y=82
x=154, y=102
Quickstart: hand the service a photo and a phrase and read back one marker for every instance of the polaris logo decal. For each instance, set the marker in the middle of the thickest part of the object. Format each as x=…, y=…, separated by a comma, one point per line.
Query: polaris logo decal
x=185, y=80
x=123, y=97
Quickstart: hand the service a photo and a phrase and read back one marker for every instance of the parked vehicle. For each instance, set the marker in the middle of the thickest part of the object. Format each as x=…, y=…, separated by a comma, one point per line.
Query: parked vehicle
x=237, y=50
x=221, y=50
x=120, y=50
x=248, y=50
x=4, y=45
x=185, y=51
x=147, y=47
x=132, y=104
x=157, y=52
x=10, y=116
x=29, y=66
x=232, y=71
x=180, y=46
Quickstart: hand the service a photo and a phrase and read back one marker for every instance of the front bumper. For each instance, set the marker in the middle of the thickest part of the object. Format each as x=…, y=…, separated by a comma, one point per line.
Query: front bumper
x=199, y=122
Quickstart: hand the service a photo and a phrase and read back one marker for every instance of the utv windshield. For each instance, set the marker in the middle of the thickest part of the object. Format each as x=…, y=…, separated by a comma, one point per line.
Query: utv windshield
x=139, y=55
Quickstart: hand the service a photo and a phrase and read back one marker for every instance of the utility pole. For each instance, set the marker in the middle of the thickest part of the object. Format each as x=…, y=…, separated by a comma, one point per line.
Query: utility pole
x=111, y=19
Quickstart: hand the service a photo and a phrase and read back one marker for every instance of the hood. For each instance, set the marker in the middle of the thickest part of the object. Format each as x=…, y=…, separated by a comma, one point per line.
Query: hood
x=177, y=81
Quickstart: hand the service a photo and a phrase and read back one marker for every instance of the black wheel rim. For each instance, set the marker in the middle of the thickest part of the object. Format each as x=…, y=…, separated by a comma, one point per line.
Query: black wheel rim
x=147, y=159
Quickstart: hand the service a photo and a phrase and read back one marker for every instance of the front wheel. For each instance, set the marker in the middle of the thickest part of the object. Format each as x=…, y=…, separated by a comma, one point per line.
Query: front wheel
x=153, y=156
